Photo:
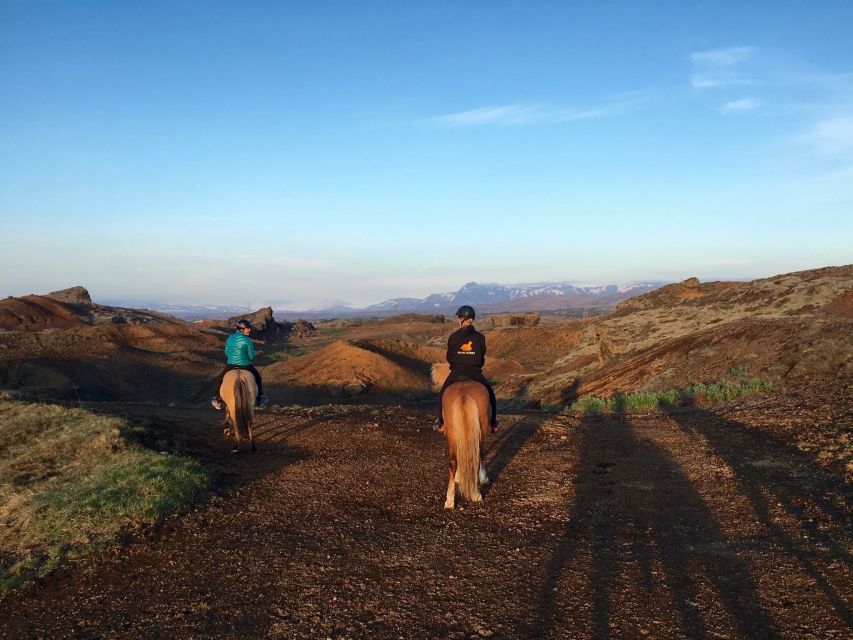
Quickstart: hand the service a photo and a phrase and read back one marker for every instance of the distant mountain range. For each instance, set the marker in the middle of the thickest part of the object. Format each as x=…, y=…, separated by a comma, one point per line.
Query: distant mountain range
x=486, y=298
x=184, y=311
x=498, y=298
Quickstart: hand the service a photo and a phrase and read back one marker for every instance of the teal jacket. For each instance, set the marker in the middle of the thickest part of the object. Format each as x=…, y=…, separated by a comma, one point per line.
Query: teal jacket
x=239, y=349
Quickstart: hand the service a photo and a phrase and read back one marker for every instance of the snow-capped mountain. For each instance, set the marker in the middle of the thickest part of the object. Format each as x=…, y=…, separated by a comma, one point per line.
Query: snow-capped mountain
x=521, y=297
x=486, y=298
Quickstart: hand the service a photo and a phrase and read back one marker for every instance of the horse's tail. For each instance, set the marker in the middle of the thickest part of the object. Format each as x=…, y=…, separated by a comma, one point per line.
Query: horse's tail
x=243, y=409
x=466, y=418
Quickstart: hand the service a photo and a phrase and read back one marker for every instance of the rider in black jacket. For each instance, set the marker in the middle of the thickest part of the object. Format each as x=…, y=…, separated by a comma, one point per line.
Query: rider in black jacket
x=466, y=353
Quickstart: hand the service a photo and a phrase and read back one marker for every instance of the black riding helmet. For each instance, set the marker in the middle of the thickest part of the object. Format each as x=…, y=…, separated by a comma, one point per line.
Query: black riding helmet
x=465, y=312
x=242, y=323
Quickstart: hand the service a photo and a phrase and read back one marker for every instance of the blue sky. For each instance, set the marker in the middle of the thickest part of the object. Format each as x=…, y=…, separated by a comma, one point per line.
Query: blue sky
x=296, y=153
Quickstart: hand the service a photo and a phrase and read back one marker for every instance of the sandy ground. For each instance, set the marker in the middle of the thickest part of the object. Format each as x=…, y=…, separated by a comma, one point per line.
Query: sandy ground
x=696, y=524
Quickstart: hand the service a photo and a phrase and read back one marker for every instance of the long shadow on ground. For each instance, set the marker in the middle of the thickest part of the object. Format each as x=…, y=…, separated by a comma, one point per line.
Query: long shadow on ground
x=635, y=508
x=507, y=443
x=774, y=475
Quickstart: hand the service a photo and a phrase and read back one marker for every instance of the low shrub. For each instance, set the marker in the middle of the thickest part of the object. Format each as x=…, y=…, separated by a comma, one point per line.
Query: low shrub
x=698, y=394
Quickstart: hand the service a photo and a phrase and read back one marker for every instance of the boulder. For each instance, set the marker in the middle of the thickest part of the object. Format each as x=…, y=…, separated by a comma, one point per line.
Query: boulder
x=262, y=321
x=302, y=328
x=515, y=320
x=72, y=295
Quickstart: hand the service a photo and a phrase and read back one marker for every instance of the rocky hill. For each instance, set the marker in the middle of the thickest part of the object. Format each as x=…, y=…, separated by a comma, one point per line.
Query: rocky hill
x=374, y=365
x=790, y=327
x=66, y=309
x=64, y=345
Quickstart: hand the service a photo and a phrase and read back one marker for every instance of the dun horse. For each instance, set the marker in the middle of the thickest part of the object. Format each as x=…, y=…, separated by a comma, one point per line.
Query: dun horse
x=467, y=413
x=238, y=391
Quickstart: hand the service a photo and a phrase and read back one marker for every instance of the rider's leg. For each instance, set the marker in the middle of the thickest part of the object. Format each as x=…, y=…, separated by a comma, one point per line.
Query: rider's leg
x=439, y=423
x=216, y=401
x=221, y=377
x=261, y=400
x=492, y=400
x=251, y=369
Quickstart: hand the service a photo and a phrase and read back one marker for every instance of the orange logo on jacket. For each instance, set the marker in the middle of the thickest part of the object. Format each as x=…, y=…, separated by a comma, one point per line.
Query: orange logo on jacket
x=468, y=346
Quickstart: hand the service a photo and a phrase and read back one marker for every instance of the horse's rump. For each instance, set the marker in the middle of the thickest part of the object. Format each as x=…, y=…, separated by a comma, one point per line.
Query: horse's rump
x=466, y=412
x=239, y=390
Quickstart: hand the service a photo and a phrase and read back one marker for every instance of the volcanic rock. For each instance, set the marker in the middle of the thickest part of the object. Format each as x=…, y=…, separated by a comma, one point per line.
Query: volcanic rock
x=515, y=320
x=72, y=295
x=298, y=329
x=262, y=321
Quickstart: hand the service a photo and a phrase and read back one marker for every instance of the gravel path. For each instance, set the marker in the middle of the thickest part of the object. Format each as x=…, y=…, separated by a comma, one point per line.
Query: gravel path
x=690, y=525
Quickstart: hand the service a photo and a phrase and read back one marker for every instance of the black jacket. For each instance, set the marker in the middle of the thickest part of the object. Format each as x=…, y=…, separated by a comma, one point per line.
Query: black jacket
x=466, y=349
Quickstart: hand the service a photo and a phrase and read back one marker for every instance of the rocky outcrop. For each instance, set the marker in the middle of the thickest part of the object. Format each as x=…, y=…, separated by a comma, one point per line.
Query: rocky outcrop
x=265, y=326
x=671, y=295
x=298, y=329
x=515, y=320
x=262, y=322
x=72, y=295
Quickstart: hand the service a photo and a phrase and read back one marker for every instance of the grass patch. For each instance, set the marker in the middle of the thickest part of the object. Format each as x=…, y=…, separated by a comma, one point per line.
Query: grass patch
x=70, y=480
x=698, y=394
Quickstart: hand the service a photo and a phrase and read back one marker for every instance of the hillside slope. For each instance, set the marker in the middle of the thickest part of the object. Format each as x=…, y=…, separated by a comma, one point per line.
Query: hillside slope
x=371, y=365
x=785, y=328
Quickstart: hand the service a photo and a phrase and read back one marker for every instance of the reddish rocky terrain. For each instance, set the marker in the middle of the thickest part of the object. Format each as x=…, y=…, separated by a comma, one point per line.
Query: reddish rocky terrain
x=731, y=521
x=696, y=524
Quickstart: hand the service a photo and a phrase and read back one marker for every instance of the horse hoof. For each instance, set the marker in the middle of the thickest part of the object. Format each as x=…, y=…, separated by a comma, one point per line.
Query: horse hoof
x=477, y=499
x=448, y=505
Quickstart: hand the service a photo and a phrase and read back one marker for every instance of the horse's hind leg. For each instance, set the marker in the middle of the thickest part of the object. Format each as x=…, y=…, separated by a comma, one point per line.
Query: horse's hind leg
x=450, y=500
x=252, y=439
x=236, y=432
x=484, y=479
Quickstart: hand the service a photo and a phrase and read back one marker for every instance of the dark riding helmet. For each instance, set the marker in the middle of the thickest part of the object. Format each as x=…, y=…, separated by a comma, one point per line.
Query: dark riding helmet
x=465, y=312
x=242, y=323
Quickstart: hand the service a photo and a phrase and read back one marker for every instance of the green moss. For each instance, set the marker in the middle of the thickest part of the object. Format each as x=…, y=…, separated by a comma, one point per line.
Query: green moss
x=70, y=480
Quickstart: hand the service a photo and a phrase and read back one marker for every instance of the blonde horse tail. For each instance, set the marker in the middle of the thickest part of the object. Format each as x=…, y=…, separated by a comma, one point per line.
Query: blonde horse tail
x=243, y=413
x=466, y=417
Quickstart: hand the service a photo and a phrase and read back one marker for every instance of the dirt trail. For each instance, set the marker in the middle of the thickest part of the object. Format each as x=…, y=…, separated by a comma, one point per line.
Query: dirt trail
x=692, y=525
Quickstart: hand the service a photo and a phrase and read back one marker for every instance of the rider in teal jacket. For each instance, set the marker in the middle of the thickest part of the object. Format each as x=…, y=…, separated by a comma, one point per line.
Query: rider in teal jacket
x=240, y=352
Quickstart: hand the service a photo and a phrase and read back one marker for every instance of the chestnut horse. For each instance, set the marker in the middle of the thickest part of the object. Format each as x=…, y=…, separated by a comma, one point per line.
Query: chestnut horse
x=467, y=412
x=238, y=392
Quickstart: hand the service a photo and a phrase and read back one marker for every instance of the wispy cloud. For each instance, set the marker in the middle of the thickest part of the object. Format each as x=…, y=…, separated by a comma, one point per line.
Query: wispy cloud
x=722, y=57
x=740, y=106
x=831, y=135
x=507, y=114
x=527, y=114
x=720, y=67
x=426, y=267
